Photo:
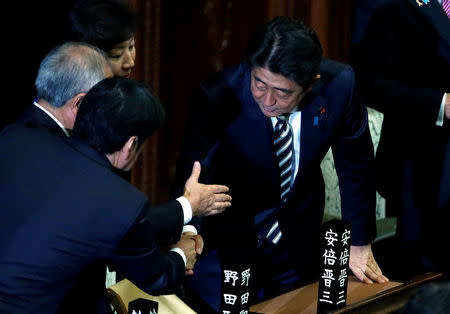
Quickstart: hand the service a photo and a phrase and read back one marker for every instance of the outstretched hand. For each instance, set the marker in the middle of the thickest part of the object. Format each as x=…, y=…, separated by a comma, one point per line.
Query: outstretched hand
x=205, y=199
x=364, y=266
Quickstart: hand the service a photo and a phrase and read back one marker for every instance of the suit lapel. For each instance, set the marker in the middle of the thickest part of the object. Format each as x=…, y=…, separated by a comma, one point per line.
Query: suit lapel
x=311, y=127
x=435, y=15
x=263, y=141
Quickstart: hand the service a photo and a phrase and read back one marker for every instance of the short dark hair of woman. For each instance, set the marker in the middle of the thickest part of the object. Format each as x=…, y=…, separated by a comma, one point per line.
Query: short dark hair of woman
x=102, y=23
x=114, y=110
x=288, y=47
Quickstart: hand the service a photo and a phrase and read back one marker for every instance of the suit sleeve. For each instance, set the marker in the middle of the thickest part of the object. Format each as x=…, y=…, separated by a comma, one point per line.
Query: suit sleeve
x=141, y=259
x=354, y=159
x=164, y=222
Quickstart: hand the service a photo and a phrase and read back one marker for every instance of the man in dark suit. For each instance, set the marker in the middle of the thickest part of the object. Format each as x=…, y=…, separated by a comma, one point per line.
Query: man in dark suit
x=362, y=14
x=403, y=63
x=65, y=75
x=66, y=214
x=232, y=129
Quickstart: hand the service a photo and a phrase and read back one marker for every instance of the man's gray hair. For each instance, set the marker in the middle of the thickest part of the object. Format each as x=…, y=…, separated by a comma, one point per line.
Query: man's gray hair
x=68, y=70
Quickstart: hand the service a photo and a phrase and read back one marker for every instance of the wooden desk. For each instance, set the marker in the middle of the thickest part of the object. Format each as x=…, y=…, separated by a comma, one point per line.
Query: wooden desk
x=125, y=291
x=360, y=297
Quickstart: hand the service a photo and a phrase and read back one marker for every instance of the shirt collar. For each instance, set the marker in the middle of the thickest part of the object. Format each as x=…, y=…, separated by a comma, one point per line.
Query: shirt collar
x=53, y=117
x=294, y=111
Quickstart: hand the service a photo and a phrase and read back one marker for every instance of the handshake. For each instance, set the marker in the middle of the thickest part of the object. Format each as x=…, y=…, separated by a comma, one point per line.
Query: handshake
x=205, y=200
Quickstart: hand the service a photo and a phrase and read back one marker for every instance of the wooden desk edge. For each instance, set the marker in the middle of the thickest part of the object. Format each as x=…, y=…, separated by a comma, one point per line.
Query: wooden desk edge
x=415, y=281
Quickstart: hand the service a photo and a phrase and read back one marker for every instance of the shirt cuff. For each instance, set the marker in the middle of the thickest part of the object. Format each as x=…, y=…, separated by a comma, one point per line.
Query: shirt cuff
x=187, y=209
x=440, y=119
x=179, y=251
x=189, y=228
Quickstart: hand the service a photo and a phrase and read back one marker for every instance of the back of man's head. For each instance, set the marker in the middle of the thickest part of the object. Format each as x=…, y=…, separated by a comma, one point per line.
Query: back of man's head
x=115, y=110
x=68, y=70
x=288, y=47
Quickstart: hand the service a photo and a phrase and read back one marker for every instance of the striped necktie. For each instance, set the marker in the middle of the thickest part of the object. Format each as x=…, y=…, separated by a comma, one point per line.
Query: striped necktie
x=284, y=148
x=446, y=7
x=283, y=143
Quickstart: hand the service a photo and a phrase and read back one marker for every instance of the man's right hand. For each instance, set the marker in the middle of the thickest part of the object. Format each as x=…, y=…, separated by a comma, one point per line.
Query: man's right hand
x=188, y=246
x=205, y=199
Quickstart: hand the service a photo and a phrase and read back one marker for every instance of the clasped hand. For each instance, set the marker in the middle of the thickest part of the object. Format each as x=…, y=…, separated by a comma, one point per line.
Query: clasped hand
x=192, y=245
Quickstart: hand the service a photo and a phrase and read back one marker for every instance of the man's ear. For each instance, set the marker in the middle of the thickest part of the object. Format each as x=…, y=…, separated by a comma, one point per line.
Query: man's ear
x=315, y=80
x=70, y=110
x=75, y=103
x=130, y=147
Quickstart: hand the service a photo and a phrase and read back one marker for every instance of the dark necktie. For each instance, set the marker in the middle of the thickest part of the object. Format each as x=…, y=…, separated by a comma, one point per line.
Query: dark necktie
x=284, y=148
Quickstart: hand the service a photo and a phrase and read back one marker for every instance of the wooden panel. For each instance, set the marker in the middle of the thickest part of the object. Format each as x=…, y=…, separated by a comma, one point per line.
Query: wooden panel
x=320, y=21
x=333, y=21
x=200, y=37
x=192, y=51
x=149, y=168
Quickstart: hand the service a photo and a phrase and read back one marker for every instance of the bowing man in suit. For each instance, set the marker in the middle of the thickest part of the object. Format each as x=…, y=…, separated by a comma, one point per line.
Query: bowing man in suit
x=66, y=214
x=65, y=75
x=403, y=63
x=275, y=221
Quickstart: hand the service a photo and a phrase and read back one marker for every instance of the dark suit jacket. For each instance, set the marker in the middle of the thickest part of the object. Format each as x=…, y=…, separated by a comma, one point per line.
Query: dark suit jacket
x=34, y=117
x=363, y=13
x=403, y=64
x=233, y=140
x=63, y=216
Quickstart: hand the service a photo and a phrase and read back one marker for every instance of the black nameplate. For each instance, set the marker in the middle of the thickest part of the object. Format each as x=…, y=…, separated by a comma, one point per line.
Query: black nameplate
x=236, y=287
x=335, y=257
